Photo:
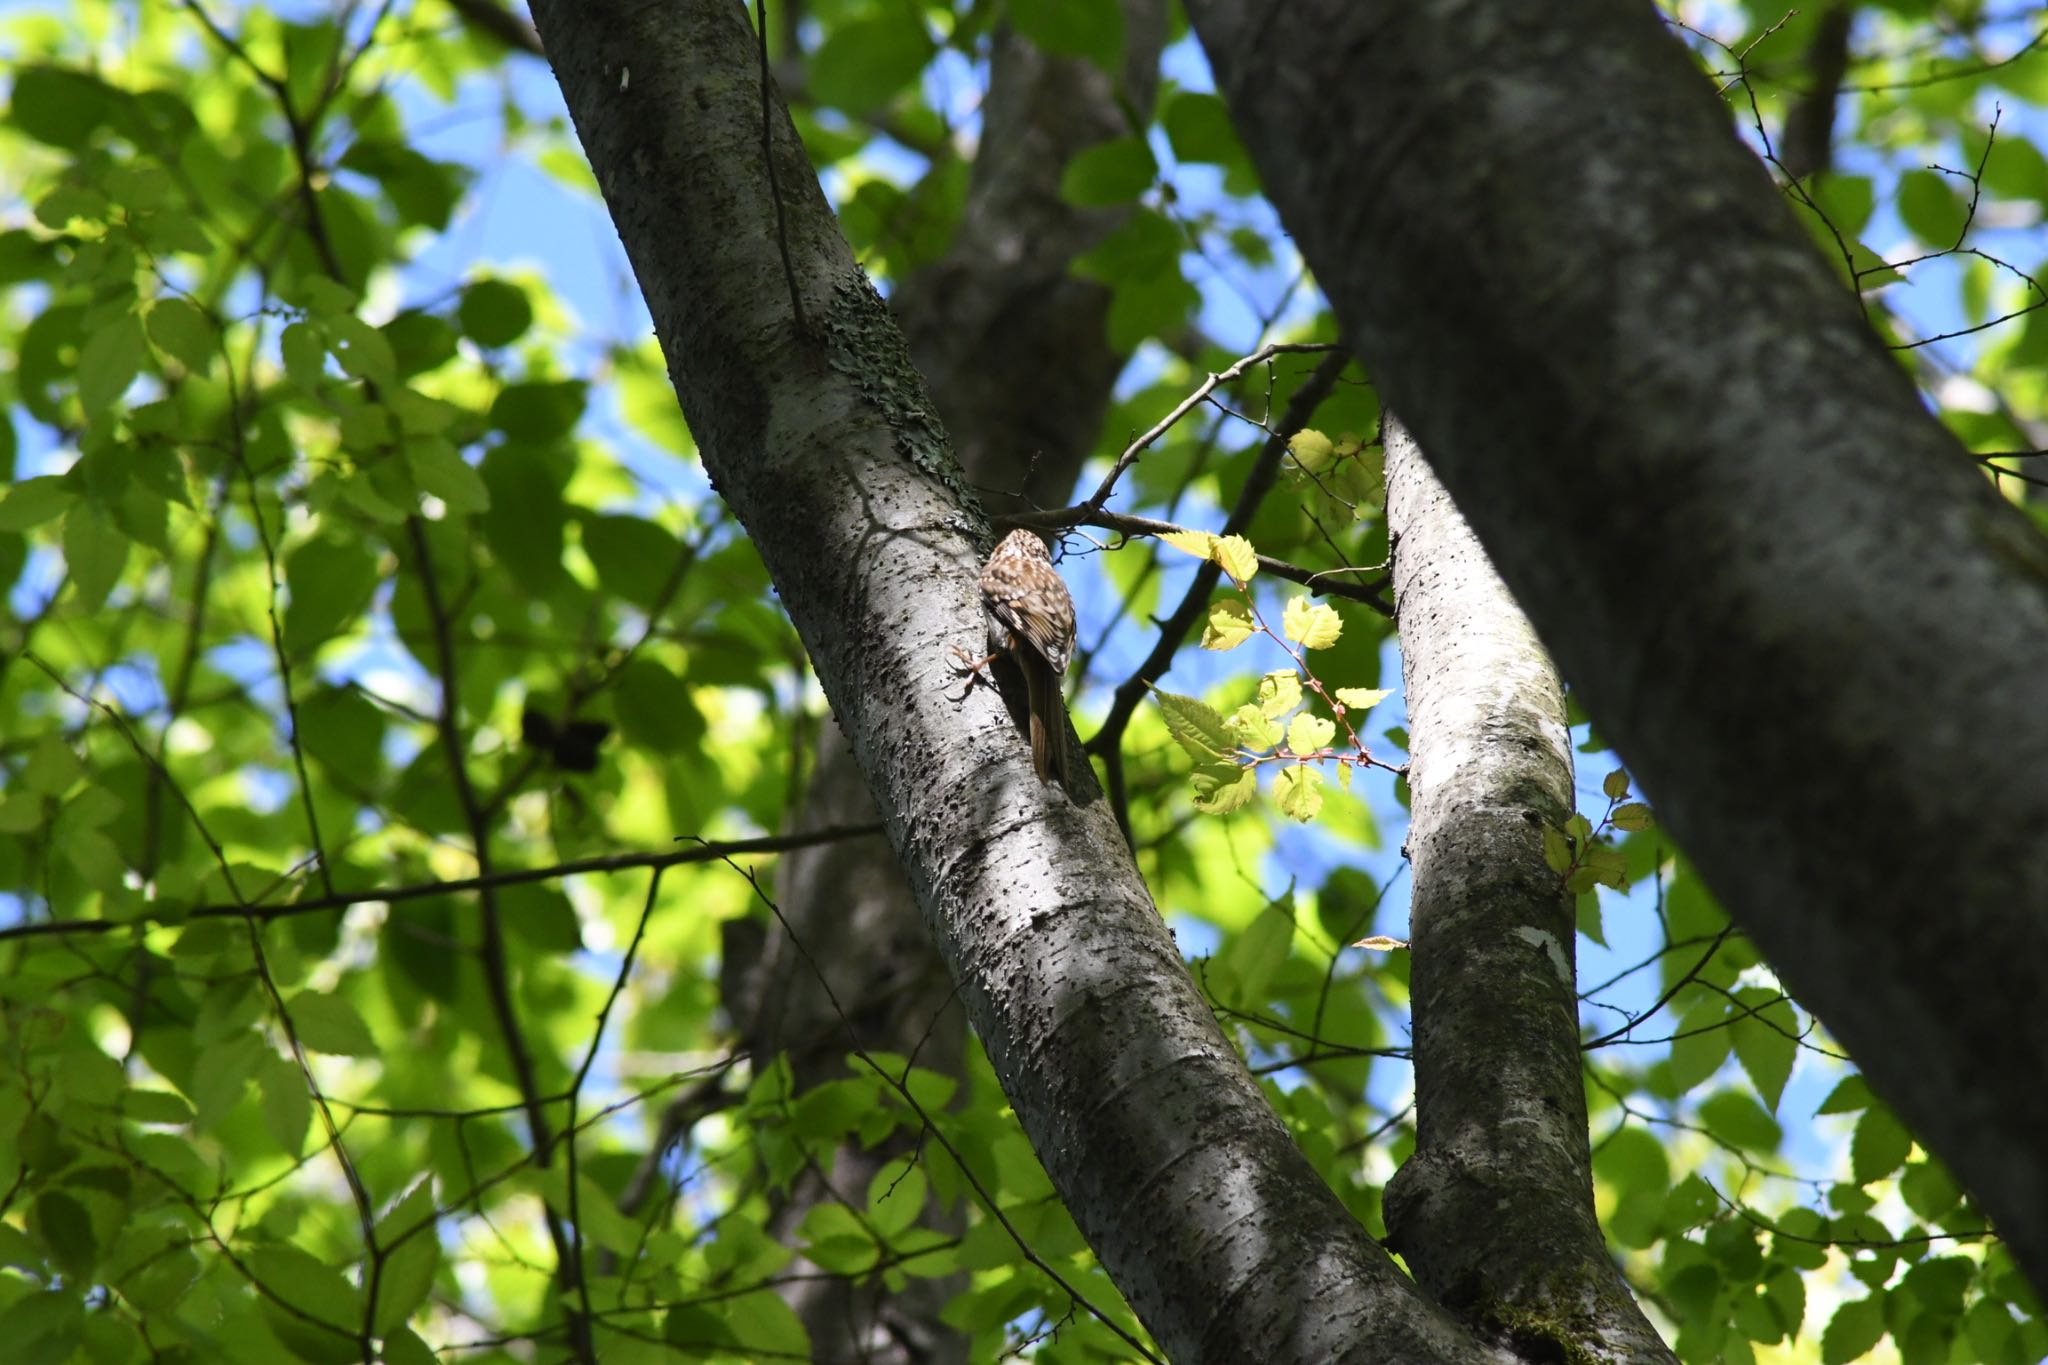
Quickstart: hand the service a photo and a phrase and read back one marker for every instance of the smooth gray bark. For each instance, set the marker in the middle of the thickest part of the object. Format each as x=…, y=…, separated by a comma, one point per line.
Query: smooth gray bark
x=1014, y=349
x=1494, y=1212
x=1781, y=588
x=818, y=433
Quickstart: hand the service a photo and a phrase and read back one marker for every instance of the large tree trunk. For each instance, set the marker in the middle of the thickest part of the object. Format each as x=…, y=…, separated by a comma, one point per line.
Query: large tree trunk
x=1494, y=1212
x=1015, y=351
x=818, y=433
x=1783, y=591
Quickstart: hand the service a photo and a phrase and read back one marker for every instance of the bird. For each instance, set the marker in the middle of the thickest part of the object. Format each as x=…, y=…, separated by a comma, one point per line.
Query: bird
x=1031, y=619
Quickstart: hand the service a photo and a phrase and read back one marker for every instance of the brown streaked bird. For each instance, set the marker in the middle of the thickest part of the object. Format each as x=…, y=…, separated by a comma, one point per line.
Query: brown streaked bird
x=1031, y=619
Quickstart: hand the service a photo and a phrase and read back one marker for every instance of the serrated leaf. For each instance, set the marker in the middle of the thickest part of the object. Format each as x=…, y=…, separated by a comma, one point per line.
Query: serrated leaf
x=1230, y=625
x=1312, y=450
x=1279, y=693
x=1238, y=558
x=1196, y=727
x=1298, y=789
x=1200, y=544
x=1309, y=733
x=1219, y=790
x=1312, y=625
x=1248, y=723
x=1362, y=698
x=1766, y=1043
x=1633, y=817
x=328, y=1023
x=1615, y=786
x=1700, y=1043
x=1850, y=1094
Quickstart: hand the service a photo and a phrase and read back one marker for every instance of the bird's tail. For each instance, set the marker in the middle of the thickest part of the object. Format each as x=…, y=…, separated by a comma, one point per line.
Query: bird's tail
x=1048, y=721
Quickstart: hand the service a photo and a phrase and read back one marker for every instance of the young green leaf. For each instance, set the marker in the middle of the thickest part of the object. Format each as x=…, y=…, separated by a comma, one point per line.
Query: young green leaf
x=1313, y=625
x=1230, y=625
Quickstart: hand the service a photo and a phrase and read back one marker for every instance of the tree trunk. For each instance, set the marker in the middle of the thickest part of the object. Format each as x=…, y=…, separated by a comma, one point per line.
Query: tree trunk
x=817, y=431
x=1014, y=349
x=1494, y=1212
x=1783, y=591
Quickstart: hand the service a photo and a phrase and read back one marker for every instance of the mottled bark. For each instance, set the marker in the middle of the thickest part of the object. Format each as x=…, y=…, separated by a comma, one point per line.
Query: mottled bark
x=1494, y=1212
x=820, y=436
x=1014, y=350
x=1778, y=584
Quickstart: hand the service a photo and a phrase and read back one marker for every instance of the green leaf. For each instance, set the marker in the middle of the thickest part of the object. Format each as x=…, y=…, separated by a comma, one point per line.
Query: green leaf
x=66, y=1228
x=1073, y=28
x=60, y=107
x=43, y=1328
x=156, y=1106
x=1879, y=1146
x=1196, y=727
x=541, y=915
x=287, y=1104
x=184, y=333
x=305, y=354
x=1849, y=1095
x=362, y=350
x=1740, y=1121
x=1930, y=207
x=634, y=558
x=1854, y=1331
x=1633, y=818
x=762, y=1323
x=1221, y=789
x=412, y=1257
x=1108, y=173
x=1237, y=557
x=1928, y=1189
x=1766, y=1042
x=494, y=313
x=34, y=501
x=310, y=1307
x=108, y=364
x=656, y=709
x=1362, y=698
x=1298, y=790
x=1230, y=625
x=328, y=1023
x=1309, y=733
x=1198, y=126
x=896, y=1195
x=1261, y=950
x=1279, y=693
x=437, y=469
x=1312, y=450
x=95, y=551
x=1312, y=625
x=865, y=62
x=331, y=579
x=1252, y=730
